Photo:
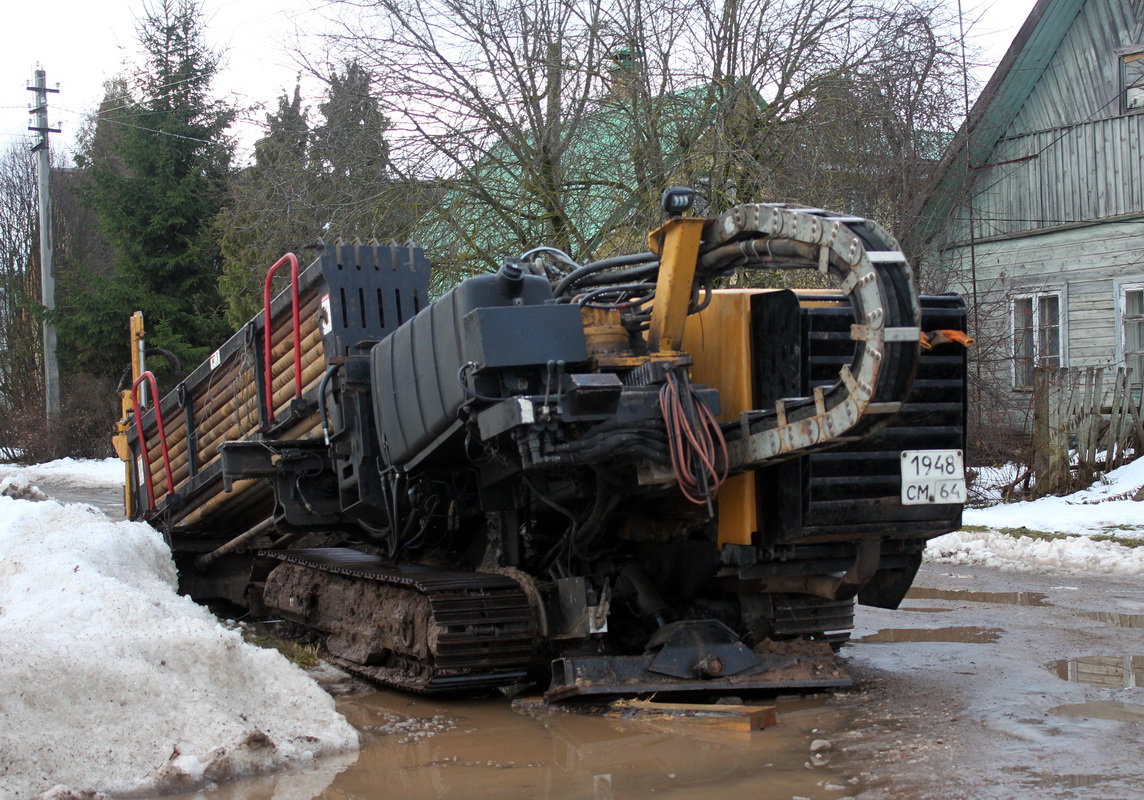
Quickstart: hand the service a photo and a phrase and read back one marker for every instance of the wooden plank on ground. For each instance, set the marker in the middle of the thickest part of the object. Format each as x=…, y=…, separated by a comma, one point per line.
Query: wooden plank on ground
x=727, y=717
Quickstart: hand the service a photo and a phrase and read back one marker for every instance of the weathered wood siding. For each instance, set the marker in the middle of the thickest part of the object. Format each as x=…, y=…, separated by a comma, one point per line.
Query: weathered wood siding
x=1059, y=203
x=1082, y=82
x=1069, y=155
x=1084, y=172
x=1088, y=261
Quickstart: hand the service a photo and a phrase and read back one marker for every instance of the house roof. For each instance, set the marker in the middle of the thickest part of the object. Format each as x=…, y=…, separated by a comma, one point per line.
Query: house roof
x=995, y=109
x=598, y=165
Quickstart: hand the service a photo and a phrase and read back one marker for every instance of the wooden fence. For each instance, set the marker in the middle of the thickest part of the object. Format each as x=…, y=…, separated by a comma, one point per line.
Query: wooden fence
x=1082, y=427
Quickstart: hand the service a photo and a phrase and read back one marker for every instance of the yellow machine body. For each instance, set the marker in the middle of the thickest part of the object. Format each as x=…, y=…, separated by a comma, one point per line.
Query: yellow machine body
x=719, y=339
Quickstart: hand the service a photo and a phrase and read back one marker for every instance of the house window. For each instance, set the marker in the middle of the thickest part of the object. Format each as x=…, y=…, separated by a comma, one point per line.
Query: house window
x=1131, y=328
x=1131, y=81
x=1036, y=335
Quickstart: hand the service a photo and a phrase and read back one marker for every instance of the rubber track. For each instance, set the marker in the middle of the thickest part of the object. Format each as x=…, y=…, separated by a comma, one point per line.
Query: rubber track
x=486, y=630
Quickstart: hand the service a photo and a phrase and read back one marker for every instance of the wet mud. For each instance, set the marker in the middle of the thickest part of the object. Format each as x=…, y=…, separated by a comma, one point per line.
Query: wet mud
x=965, y=595
x=1030, y=691
x=966, y=634
x=1035, y=784
x=416, y=748
x=1116, y=618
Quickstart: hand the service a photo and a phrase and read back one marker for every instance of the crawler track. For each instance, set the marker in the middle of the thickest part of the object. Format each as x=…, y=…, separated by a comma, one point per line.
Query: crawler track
x=412, y=627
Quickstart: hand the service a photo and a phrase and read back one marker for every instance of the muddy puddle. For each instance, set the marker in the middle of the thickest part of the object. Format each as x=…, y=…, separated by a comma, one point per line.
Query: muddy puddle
x=416, y=748
x=964, y=634
x=965, y=595
x=1116, y=618
x=1112, y=672
x=1101, y=709
x=1038, y=780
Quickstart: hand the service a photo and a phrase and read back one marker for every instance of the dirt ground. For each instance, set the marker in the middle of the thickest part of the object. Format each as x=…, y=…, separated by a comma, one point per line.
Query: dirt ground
x=1000, y=685
x=984, y=686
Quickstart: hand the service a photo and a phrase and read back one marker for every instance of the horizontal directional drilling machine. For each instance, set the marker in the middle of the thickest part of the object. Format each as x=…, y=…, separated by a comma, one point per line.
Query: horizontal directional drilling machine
x=613, y=474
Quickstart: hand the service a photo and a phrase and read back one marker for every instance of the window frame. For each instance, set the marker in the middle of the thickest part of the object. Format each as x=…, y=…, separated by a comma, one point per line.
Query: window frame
x=1036, y=294
x=1122, y=288
x=1124, y=56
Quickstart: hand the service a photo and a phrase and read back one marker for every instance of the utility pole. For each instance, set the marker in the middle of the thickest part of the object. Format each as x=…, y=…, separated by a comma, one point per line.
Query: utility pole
x=47, y=246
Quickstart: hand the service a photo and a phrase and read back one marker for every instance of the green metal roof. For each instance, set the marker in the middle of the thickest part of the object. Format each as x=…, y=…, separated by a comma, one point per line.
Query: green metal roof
x=596, y=193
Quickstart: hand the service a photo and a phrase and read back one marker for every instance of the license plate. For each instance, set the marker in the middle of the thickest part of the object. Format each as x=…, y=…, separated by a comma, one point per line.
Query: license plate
x=932, y=477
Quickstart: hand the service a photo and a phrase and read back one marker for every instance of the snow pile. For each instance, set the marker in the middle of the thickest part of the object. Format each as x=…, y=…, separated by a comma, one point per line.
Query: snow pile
x=20, y=489
x=1030, y=554
x=1107, y=508
x=113, y=682
x=71, y=473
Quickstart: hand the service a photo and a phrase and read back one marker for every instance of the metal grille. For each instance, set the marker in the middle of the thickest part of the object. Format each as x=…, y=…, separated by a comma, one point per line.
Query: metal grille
x=855, y=489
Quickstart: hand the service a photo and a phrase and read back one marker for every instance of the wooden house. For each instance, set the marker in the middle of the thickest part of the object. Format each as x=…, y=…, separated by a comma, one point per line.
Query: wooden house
x=1037, y=214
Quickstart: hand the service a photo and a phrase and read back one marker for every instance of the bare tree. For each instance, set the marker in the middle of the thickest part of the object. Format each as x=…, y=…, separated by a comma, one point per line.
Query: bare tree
x=561, y=121
x=24, y=430
x=20, y=339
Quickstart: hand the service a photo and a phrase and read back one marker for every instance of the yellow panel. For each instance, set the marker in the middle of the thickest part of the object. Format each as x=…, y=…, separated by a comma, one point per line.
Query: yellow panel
x=738, y=515
x=719, y=339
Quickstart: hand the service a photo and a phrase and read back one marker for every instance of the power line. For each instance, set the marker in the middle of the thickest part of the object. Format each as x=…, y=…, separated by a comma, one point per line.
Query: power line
x=114, y=121
x=170, y=85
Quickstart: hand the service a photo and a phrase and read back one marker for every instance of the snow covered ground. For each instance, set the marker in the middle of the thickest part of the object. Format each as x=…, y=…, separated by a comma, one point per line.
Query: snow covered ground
x=112, y=682
x=1106, y=510
x=73, y=473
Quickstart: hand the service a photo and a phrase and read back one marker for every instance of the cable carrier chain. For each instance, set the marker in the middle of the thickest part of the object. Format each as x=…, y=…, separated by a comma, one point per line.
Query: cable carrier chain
x=614, y=477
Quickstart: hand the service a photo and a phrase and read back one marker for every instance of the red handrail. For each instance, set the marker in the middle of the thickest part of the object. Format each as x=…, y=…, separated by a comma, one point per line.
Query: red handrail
x=292, y=260
x=150, y=378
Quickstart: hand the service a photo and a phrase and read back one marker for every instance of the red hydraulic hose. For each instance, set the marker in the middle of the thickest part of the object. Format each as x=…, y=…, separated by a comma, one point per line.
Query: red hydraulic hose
x=700, y=439
x=150, y=378
x=292, y=260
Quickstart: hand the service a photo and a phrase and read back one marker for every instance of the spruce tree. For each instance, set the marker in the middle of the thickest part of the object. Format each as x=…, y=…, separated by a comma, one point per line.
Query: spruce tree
x=350, y=145
x=331, y=180
x=157, y=162
x=271, y=208
x=351, y=155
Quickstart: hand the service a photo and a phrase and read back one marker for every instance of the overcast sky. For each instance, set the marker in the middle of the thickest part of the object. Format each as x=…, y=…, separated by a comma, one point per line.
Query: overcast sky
x=81, y=43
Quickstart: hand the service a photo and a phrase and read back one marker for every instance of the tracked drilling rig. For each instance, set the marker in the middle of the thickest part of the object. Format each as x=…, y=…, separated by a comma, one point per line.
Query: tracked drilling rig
x=611, y=471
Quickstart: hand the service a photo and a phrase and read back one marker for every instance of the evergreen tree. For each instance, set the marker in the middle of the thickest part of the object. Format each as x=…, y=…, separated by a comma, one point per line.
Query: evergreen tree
x=351, y=156
x=157, y=163
x=309, y=183
x=287, y=134
x=349, y=146
x=271, y=209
